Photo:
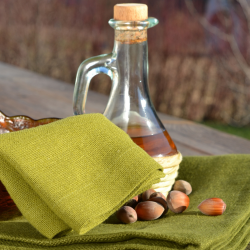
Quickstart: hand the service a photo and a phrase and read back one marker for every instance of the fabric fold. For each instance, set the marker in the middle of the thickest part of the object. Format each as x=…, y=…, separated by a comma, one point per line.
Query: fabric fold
x=73, y=173
x=226, y=177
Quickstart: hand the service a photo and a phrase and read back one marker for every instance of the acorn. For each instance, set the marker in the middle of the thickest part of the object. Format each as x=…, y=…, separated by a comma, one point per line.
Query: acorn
x=183, y=186
x=139, y=197
x=161, y=201
x=136, y=198
x=177, y=201
x=132, y=202
x=149, y=210
x=147, y=193
x=126, y=215
x=158, y=194
x=212, y=206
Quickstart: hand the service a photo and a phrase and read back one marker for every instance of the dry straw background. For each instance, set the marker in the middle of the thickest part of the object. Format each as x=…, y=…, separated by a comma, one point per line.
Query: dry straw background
x=186, y=79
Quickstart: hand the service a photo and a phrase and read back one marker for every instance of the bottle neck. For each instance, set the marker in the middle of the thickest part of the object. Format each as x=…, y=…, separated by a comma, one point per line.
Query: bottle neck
x=131, y=36
x=130, y=107
x=131, y=52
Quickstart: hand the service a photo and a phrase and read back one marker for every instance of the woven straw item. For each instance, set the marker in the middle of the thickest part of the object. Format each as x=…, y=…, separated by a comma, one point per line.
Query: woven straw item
x=170, y=166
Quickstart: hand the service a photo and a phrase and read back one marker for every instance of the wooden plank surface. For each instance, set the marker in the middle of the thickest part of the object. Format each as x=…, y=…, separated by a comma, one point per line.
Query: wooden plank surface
x=27, y=93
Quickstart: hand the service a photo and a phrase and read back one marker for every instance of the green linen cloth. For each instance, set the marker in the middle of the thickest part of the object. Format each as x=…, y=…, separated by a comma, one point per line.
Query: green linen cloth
x=226, y=177
x=72, y=173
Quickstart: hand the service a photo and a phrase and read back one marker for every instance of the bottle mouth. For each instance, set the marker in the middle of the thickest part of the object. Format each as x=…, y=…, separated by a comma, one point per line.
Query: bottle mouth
x=133, y=25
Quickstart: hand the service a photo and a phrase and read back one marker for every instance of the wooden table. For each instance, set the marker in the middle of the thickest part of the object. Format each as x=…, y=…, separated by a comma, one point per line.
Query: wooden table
x=27, y=93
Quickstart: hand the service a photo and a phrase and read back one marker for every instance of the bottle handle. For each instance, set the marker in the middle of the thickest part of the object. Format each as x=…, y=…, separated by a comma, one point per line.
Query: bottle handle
x=86, y=71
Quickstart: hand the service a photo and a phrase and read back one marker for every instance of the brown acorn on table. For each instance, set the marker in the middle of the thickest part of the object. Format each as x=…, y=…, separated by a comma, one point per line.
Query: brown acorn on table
x=149, y=205
x=183, y=186
x=149, y=210
x=177, y=201
x=212, y=206
x=127, y=215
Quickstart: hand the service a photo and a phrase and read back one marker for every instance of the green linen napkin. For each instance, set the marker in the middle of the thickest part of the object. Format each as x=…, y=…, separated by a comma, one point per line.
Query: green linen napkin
x=226, y=177
x=73, y=173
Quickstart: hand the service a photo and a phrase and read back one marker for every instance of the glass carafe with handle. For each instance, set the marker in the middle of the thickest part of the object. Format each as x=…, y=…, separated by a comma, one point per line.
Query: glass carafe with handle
x=129, y=105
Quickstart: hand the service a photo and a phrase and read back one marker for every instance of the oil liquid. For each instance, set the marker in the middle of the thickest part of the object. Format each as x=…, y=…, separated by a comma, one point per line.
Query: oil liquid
x=156, y=145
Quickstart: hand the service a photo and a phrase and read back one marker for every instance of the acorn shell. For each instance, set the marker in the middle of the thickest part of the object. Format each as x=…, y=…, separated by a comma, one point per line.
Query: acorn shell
x=147, y=193
x=212, y=206
x=131, y=203
x=161, y=201
x=183, y=186
x=126, y=215
x=177, y=201
x=149, y=210
x=158, y=194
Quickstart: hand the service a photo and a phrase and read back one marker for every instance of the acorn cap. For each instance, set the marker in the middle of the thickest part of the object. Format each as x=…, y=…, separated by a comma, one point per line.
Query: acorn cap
x=130, y=12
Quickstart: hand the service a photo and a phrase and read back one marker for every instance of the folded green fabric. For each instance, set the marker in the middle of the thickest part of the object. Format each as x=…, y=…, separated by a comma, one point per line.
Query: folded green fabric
x=73, y=173
x=226, y=177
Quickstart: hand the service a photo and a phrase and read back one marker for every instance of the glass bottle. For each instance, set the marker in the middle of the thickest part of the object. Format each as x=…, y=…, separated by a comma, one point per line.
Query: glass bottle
x=129, y=105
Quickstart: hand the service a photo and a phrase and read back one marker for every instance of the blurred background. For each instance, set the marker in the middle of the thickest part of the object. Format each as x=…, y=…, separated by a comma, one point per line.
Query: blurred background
x=199, y=58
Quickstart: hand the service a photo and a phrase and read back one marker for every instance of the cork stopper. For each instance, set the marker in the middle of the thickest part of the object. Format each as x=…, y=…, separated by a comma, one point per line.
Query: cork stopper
x=130, y=12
